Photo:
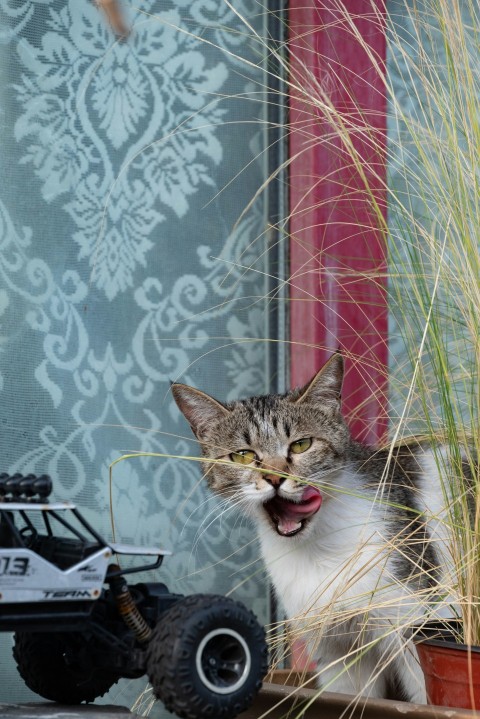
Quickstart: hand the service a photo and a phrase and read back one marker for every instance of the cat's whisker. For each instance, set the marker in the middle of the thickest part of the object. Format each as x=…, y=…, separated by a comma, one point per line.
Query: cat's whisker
x=220, y=562
x=199, y=508
x=204, y=526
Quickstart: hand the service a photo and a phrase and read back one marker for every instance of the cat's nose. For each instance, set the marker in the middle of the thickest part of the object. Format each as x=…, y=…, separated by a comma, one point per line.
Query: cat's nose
x=274, y=479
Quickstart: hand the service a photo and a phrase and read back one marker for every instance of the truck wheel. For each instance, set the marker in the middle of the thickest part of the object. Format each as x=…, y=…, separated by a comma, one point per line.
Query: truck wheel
x=207, y=657
x=51, y=665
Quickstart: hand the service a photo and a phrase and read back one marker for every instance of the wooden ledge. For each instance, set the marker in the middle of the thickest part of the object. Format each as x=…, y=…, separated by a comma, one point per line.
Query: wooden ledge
x=286, y=702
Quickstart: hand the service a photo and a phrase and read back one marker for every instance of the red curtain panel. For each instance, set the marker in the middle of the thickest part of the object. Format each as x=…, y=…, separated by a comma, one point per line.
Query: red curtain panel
x=337, y=154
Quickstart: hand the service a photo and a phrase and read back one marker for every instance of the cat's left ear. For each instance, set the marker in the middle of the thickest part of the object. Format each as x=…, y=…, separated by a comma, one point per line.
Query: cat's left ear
x=199, y=409
x=327, y=383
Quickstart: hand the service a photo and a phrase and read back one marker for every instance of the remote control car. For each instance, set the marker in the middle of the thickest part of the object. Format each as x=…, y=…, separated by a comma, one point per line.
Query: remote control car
x=79, y=626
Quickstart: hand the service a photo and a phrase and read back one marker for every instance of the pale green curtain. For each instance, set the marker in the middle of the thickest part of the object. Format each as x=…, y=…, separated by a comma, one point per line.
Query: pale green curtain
x=126, y=262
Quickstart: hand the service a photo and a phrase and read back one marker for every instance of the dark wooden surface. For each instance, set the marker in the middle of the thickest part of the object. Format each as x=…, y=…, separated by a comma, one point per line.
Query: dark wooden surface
x=276, y=701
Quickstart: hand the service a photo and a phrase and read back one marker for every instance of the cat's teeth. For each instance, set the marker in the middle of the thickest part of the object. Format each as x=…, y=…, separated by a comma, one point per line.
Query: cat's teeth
x=288, y=527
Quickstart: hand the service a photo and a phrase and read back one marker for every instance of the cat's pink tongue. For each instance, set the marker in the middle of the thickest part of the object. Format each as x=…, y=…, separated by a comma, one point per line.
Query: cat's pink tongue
x=293, y=514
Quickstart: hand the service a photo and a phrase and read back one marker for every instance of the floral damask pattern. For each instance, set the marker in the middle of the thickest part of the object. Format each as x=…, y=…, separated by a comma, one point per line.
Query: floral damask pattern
x=83, y=95
x=125, y=263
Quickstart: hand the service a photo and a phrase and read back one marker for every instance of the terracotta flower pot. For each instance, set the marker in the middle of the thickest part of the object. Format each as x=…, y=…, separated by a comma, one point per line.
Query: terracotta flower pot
x=452, y=670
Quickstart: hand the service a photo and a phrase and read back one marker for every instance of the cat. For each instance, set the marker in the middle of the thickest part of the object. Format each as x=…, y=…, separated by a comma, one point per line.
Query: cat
x=342, y=530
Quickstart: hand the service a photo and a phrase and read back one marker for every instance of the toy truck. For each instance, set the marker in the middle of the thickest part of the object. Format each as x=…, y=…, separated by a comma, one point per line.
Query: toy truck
x=79, y=626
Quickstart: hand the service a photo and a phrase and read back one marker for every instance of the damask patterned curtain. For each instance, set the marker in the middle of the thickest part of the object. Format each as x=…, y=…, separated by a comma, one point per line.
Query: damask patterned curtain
x=126, y=262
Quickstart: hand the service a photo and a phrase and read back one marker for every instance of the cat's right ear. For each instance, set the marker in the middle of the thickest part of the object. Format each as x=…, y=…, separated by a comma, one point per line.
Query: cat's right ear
x=199, y=409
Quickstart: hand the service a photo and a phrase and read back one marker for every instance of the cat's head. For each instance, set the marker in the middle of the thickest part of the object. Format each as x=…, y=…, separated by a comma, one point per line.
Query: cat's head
x=275, y=451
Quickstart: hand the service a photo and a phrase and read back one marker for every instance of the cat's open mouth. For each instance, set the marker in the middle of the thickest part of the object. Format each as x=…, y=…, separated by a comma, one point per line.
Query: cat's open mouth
x=290, y=517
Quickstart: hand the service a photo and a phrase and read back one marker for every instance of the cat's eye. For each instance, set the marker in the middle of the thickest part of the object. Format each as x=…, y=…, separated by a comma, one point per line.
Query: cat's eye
x=243, y=456
x=301, y=445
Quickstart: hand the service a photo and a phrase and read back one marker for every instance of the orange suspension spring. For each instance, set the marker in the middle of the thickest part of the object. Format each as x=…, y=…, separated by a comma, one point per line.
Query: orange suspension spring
x=128, y=609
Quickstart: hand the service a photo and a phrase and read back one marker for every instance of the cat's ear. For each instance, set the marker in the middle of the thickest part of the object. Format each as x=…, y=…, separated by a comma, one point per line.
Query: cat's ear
x=327, y=383
x=199, y=409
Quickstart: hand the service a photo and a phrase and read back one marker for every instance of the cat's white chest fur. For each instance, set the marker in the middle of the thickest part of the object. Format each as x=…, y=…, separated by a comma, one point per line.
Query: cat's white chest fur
x=342, y=569
x=340, y=562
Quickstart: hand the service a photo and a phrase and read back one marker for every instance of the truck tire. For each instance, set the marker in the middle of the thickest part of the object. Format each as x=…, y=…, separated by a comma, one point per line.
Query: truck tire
x=207, y=657
x=51, y=665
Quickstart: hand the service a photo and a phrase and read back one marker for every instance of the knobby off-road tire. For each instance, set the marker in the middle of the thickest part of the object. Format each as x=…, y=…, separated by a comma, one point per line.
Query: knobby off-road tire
x=48, y=665
x=207, y=657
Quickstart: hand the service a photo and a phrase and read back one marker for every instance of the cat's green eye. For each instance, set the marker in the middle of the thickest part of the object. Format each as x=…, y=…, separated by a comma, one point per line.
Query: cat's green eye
x=243, y=456
x=301, y=445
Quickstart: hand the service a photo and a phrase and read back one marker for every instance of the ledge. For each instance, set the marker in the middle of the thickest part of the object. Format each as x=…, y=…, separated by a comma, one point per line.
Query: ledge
x=50, y=710
x=273, y=702
x=282, y=702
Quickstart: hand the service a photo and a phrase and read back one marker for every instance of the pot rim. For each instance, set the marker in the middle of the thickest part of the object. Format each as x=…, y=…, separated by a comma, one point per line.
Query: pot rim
x=442, y=633
x=447, y=644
